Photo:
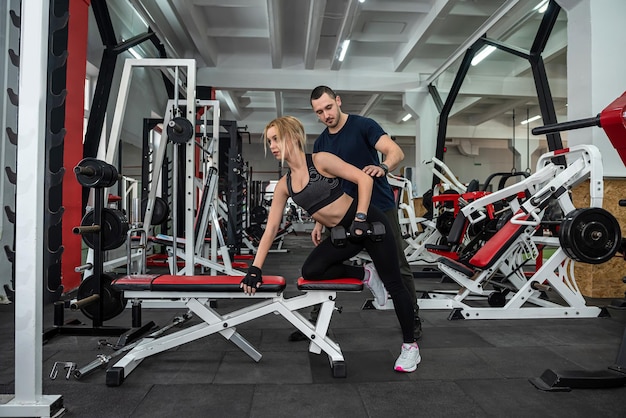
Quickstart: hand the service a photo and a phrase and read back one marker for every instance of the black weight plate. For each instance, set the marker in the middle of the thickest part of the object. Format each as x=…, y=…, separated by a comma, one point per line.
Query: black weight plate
x=258, y=215
x=590, y=235
x=180, y=130
x=113, y=302
x=160, y=211
x=114, y=229
x=94, y=173
x=496, y=299
x=444, y=223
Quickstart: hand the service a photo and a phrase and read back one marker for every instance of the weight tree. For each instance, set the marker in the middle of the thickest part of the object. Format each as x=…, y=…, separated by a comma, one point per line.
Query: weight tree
x=101, y=229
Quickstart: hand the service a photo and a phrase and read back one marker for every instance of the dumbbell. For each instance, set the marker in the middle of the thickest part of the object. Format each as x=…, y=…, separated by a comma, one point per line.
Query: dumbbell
x=339, y=235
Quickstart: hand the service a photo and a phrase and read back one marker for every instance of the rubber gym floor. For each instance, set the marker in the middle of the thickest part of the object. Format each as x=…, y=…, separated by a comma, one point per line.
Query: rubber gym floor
x=477, y=368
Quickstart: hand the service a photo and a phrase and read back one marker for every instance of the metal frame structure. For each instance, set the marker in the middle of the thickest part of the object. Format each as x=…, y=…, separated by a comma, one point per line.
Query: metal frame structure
x=542, y=86
x=28, y=399
x=189, y=68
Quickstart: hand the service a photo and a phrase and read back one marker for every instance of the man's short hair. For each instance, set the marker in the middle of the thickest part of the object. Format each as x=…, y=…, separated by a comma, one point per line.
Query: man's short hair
x=320, y=90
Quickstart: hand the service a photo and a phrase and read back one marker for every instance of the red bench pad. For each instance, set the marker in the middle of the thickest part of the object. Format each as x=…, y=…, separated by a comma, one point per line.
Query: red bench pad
x=171, y=283
x=498, y=244
x=334, y=284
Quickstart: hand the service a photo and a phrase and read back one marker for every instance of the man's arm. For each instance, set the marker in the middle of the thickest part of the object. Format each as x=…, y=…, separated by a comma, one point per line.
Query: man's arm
x=393, y=156
x=392, y=152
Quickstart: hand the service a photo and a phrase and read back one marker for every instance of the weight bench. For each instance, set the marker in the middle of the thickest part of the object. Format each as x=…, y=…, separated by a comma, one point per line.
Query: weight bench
x=198, y=291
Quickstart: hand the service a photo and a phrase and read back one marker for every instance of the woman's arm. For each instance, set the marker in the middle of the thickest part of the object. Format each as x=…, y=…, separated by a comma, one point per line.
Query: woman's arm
x=330, y=165
x=274, y=219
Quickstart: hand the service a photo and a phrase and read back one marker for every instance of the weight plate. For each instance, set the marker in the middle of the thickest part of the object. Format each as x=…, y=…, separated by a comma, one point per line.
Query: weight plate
x=94, y=173
x=114, y=229
x=590, y=235
x=180, y=130
x=258, y=215
x=444, y=223
x=496, y=299
x=160, y=211
x=113, y=303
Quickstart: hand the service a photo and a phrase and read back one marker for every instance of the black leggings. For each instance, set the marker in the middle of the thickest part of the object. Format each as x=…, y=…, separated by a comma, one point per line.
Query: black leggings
x=327, y=262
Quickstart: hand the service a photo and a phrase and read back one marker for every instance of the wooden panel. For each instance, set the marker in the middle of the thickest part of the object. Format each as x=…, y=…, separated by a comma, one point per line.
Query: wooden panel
x=603, y=280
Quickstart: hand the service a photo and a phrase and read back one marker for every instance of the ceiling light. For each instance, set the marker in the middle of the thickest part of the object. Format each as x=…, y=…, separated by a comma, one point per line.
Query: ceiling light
x=344, y=49
x=482, y=54
x=134, y=53
x=407, y=117
x=361, y=1
x=542, y=6
x=534, y=118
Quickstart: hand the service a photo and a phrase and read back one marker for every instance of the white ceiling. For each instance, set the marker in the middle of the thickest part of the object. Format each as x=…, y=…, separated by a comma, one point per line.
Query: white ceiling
x=263, y=57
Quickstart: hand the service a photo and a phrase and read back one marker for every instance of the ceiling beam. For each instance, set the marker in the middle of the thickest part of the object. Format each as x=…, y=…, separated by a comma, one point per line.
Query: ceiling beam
x=276, y=41
x=166, y=34
x=222, y=3
x=237, y=33
x=314, y=31
x=489, y=23
x=405, y=54
x=227, y=98
x=496, y=110
x=194, y=25
x=279, y=103
x=291, y=80
x=344, y=32
x=371, y=104
x=396, y=6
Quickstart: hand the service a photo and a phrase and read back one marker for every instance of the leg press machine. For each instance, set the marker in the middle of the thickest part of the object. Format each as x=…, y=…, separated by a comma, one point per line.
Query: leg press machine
x=516, y=243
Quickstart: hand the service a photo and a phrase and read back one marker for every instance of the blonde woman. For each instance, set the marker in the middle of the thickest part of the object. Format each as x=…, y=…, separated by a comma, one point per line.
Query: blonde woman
x=314, y=183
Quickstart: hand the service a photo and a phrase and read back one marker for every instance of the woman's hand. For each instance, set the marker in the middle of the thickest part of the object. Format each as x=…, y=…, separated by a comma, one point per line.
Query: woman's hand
x=252, y=281
x=316, y=234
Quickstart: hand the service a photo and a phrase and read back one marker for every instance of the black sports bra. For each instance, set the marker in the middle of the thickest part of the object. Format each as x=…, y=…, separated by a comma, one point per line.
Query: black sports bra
x=319, y=191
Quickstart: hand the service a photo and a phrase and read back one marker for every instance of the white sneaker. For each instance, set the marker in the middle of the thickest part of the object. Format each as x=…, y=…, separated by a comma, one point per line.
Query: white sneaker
x=375, y=285
x=409, y=358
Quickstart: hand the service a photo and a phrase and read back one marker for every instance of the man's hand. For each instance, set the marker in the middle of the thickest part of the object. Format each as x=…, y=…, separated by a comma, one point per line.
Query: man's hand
x=374, y=171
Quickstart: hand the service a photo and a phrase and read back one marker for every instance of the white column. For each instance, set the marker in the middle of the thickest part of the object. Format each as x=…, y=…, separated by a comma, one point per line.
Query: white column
x=29, y=242
x=595, y=69
x=421, y=106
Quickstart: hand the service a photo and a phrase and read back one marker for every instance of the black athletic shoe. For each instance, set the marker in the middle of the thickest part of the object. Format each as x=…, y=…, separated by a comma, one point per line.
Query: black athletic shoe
x=297, y=335
x=418, y=328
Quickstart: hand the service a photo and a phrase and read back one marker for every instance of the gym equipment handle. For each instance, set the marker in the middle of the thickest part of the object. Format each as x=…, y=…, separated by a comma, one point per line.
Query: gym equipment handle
x=86, y=229
x=567, y=126
x=81, y=303
x=84, y=267
x=175, y=126
x=87, y=171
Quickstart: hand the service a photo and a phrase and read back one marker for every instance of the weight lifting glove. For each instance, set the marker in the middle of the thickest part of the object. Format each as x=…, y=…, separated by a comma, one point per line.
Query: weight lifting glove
x=358, y=229
x=254, y=278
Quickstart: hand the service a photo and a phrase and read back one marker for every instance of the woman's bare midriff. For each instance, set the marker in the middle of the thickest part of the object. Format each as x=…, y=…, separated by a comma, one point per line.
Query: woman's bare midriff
x=332, y=214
